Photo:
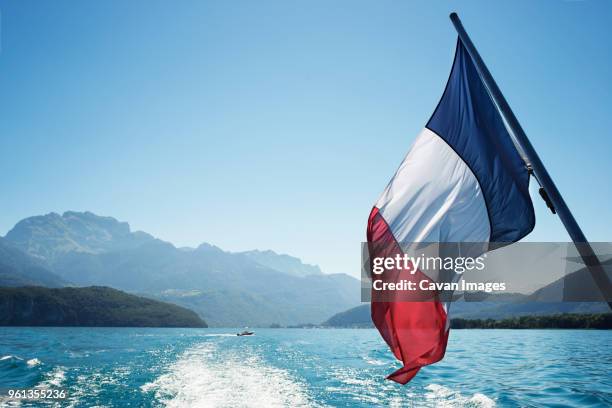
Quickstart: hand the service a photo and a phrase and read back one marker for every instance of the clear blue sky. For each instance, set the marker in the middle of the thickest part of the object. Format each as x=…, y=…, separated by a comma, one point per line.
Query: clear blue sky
x=277, y=124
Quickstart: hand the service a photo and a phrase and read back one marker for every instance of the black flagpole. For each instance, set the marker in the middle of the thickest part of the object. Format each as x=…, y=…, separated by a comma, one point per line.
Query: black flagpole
x=550, y=192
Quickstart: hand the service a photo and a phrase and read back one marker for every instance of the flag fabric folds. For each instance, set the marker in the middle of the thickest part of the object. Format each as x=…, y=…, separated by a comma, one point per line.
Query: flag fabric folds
x=463, y=180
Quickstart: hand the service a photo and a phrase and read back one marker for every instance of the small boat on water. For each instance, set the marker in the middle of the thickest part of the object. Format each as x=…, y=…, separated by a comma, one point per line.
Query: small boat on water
x=245, y=333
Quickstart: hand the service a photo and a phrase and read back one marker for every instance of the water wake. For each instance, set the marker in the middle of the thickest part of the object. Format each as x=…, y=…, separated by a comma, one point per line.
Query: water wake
x=444, y=397
x=204, y=376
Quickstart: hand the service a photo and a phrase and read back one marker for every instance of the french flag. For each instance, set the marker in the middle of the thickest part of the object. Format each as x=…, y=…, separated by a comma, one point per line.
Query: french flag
x=463, y=180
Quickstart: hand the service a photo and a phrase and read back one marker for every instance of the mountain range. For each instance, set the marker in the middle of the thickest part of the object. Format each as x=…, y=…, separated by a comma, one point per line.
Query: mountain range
x=580, y=295
x=359, y=316
x=226, y=289
x=251, y=288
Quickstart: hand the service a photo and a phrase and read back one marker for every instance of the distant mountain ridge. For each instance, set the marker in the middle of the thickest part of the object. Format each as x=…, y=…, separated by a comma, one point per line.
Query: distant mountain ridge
x=503, y=307
x=226, y=289
x=283, y=263
x=52, y=235
x=20, y=269
x=574, y=293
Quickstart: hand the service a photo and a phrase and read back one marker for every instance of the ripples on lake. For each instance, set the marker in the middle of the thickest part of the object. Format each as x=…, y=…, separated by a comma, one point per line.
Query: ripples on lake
x=303, y=368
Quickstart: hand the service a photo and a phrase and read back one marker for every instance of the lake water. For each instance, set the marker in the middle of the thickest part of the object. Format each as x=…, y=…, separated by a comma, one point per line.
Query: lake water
x=300, y=367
